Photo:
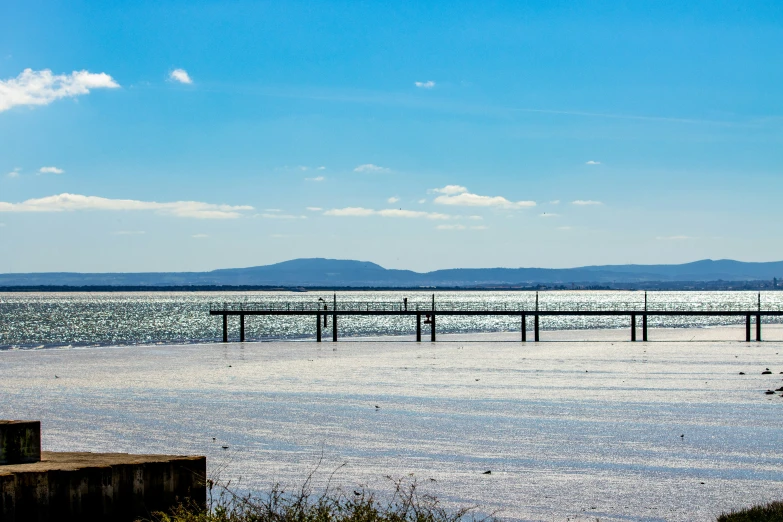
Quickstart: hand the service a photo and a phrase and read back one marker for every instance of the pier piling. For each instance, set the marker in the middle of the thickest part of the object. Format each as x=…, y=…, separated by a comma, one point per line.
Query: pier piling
x=633, y=327
x=644, y=327
x=225, y=328
x=334, y=328
x=758, y=328
x=747, y=328
x=535, y=328
x=524, y=328
x=242, y=328
x=318, y=328
x=418, y=328
x=432, y=329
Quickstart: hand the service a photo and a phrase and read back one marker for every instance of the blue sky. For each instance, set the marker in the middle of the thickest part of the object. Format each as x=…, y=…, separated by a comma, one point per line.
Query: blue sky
x=146, y=136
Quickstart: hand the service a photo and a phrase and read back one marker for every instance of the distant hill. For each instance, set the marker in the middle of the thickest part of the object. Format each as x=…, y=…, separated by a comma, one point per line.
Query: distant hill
x=347, y=273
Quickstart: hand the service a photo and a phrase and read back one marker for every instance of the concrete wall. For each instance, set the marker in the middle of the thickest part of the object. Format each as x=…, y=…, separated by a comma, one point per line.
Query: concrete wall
x=99, y=487
x=20, y=442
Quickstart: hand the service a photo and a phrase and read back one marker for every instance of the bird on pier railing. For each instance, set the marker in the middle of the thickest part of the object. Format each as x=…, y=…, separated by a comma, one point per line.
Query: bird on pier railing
x=428, y=319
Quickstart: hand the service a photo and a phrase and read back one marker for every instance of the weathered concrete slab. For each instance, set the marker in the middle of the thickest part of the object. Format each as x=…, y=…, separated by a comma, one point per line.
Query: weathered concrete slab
x=20, y=441
x=99, y=486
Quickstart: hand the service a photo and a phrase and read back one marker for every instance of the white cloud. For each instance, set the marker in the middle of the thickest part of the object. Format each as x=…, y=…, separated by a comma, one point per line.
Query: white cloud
x=673, y=238
x=592, y=162
x=450, y=190
x=369, y=167
x=317, y=178
x=422, y=201
x=43, y=87
x=548, y=215
x=14, y=173
x=564, y=228
x=583, y=202
x=50, y=170
x=478, y=218
x=321, y=168
x=199, y=236
x=459, y=195
x=393, y=199
x=474, y=200
x=314, y=209
x=181, y=76
x=75, y=202
x=388, y=212
x=272, y=210
x=129, y=232
x=429, y=84
x=280, y=216
x=554, y=202
x=2, y=225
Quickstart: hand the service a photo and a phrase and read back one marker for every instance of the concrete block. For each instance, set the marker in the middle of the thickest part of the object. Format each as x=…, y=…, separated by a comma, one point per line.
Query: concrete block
x=99, y=486
x=20, y=442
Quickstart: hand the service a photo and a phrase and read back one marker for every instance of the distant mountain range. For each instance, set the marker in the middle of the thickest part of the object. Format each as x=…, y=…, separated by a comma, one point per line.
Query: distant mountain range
x=319, y=272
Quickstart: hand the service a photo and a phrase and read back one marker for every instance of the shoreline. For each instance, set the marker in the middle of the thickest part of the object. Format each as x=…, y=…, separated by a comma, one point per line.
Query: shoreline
x=772, y=332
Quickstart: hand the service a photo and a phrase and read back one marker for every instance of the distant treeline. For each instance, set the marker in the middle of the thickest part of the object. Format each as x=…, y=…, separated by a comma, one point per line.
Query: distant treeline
x=646, y=285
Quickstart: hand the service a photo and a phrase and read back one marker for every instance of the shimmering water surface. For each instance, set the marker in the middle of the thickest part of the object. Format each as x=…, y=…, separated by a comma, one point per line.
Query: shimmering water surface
x=32, y=320
x=571, y=430
x=616, y=431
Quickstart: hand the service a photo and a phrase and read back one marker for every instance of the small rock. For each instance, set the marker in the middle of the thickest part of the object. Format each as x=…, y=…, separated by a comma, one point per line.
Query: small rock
x=377, y=407
x=224, y=447
x=766, y=372
x=742, y=373
x=769, y=392
x=488, y=472
x=780, y=389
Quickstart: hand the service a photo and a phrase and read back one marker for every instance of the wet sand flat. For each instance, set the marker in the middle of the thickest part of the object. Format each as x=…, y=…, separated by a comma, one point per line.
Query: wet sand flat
x=608, y=429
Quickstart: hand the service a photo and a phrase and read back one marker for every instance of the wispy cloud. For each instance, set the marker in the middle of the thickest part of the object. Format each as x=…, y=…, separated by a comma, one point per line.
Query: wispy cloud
x=564, y=228
x=459, y=196
x=673, y=238
x=129, y=232
x=14, y=173
x=388, y=212
x=77, y=202
x=199, y=236
x=592, y=162
x=50, y=170
x=43, y=87
x=369, y=167
x=429, y=84
x=548, y=215
x=422, y=201
x=321, y=168
x=393, y=199
x=554, y=202
x=317, y=178
x=181, y=76
x=583, y=202
x=314, y=209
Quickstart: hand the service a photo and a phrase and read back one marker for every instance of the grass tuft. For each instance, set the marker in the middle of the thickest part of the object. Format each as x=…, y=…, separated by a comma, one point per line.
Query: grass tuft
x=772, y=512
x=407, y=504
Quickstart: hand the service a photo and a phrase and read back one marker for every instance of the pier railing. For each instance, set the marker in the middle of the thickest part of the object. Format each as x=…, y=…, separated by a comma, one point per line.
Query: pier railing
x=322, y=310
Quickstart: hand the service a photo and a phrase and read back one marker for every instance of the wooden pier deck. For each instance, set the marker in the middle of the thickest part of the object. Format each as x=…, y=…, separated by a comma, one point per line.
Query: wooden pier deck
x=322, y=311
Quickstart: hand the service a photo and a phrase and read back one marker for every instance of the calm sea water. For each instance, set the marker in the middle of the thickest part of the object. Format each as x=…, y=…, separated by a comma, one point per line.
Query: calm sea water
x=41, y=320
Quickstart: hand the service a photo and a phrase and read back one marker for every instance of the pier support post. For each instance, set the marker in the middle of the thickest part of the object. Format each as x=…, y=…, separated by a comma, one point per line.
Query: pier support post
x=242, y=328
x=225, y=328
x=418, y=328
x=524, y=328
x=334, y=328
x=535, y=328
x=432, y=329
x=758, y=327
x=747, y=328
x=318, y=328
x=644, y=328
x=633, y=327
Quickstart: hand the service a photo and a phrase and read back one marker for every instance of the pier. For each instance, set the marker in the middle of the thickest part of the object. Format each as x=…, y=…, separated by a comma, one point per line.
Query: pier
x=323, y=313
